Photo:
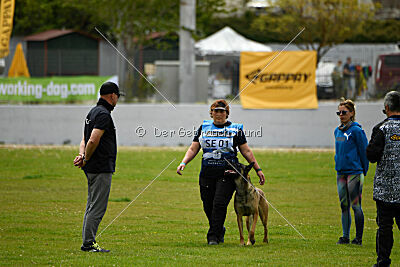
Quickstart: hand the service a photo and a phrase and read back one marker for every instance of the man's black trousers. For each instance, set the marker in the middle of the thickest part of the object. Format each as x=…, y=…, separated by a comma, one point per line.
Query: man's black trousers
x=386, y=212
x=216, y=192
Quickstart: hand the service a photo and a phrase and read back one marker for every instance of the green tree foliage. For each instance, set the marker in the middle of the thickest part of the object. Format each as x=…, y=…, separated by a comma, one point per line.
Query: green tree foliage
x=130, y=24
x=327, y=22
x=33, y=16
x=242, y=24
x=378, y=31
x=133, y=23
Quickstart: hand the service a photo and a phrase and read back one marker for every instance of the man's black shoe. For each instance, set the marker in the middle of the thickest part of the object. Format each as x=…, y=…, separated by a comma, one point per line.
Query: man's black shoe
x=93, y=248
x=212, y=242
x=357, y=241
x=221, y=238
x=343, y=240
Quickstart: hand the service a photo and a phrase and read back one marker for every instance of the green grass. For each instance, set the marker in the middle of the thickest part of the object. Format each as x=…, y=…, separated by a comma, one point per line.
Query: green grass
x=42, y=199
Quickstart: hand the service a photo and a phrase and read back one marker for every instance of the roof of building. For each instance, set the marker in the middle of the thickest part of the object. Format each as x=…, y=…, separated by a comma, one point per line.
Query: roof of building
x=51, y=34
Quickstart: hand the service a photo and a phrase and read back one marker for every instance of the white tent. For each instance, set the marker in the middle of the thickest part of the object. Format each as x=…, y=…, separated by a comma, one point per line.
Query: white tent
x=228, y=42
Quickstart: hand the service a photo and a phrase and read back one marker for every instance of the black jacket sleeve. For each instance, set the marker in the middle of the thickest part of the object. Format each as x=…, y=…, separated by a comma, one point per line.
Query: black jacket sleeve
x=376, y=145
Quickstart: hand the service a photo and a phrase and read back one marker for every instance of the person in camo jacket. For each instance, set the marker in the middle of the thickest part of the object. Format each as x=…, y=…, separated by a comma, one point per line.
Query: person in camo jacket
x=384, y=148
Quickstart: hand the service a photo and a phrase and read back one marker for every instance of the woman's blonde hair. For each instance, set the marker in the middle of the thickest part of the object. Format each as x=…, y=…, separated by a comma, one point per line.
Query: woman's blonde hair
x=220, y=103
x=349, y=104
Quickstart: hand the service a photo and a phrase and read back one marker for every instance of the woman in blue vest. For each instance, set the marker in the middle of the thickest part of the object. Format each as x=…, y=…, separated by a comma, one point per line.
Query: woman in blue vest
x=219, y=139
x=351, y=167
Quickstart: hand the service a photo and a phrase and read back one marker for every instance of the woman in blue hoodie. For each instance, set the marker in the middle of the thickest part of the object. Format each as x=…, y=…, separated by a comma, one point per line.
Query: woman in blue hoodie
x=351, y=165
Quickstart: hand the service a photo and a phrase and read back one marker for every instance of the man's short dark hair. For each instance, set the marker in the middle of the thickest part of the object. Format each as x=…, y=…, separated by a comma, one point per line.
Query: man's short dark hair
x=392, y=100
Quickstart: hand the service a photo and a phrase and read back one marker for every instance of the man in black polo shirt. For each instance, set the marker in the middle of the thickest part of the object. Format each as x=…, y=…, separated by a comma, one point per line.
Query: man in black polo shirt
x=97, y=155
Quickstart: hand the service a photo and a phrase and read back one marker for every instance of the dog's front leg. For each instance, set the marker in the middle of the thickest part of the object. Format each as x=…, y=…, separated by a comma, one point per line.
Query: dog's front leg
x=240, y=225
x=252, y=240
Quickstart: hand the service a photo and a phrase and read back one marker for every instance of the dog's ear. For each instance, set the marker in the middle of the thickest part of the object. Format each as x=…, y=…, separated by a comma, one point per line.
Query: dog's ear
x=249, y=167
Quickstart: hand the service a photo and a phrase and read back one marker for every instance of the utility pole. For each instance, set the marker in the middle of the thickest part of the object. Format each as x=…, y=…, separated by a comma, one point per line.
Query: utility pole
x=187, y=68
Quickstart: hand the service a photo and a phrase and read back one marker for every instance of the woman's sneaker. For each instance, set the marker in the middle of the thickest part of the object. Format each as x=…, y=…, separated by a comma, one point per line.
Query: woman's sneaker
x=94, y=247
x=343, y=240
x=357, y=241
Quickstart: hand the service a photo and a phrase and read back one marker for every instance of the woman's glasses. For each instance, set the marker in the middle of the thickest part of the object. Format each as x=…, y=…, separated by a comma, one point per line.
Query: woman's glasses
x=384, y=111
x=342, y=112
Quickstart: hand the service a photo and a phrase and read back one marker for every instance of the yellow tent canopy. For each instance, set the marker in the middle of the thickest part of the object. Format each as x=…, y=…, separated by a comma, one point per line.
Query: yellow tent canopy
x=18, y=66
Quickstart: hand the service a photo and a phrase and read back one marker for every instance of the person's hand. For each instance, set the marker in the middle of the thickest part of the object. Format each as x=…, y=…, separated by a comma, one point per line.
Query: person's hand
x=180, y=168
x=78, y=160
x=262, y=177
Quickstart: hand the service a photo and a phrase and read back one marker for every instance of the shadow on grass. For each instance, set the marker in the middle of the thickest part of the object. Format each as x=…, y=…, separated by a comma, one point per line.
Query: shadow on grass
x=121, y=199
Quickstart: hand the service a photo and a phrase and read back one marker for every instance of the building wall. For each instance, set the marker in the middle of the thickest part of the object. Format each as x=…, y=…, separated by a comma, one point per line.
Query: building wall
x=167, y=81
x=166, y=126
x=108, y=58
x=71, y=54
x=35, y=58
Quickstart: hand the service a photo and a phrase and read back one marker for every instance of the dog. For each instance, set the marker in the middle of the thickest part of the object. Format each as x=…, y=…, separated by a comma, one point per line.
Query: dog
x=249, y=201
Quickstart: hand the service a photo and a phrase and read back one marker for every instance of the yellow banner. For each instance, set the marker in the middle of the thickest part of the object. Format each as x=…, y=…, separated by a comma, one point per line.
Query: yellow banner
x=287, y=83
x=6, y=23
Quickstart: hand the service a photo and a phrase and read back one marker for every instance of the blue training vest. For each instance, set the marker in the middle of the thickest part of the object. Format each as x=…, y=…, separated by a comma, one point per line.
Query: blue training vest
x=217, y=143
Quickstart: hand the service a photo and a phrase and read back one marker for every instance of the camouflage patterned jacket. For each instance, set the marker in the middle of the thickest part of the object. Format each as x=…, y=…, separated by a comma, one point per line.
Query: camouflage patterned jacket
x=384, y=148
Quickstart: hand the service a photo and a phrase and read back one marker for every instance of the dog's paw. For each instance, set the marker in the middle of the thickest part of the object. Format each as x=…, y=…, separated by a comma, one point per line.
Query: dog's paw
x=250, y=242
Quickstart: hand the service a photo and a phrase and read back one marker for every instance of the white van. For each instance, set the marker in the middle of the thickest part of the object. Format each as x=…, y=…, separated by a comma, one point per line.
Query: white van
x=323, y=79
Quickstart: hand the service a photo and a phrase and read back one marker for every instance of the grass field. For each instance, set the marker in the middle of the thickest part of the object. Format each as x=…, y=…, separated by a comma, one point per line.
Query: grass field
x=42, y=198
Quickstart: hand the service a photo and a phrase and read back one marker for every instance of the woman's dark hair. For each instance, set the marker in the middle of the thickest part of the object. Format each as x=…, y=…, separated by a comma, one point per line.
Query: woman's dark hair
x=220, y=103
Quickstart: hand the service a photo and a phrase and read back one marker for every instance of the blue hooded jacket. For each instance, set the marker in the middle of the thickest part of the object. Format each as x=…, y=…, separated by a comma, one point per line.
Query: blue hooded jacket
x=350, y=146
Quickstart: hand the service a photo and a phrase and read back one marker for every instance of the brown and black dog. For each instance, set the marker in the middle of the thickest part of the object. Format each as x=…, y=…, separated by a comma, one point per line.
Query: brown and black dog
x=249, y=201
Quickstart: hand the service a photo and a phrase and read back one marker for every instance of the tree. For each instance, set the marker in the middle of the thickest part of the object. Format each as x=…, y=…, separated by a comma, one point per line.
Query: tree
x=132, y=22
x=36, y=16
x=127, y=23
x=378, y=31
x=327, y=22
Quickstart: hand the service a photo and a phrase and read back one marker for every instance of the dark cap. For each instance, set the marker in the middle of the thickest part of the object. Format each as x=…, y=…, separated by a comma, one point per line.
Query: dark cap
x=109, y=88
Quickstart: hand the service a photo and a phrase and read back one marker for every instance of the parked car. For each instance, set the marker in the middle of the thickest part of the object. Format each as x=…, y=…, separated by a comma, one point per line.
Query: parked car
x=387, y=73
x=323, y=79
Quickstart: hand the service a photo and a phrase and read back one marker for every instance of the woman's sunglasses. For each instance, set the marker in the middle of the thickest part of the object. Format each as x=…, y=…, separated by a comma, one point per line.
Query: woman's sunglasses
x=342, y=112
x=384, y=111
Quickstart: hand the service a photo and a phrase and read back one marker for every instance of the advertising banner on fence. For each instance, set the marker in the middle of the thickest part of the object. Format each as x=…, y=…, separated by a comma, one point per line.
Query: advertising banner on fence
x=52, y=89
x=287, y=83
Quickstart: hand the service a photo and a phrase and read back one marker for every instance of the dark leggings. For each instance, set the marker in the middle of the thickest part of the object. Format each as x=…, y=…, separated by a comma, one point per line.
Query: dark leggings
x=350, y=190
